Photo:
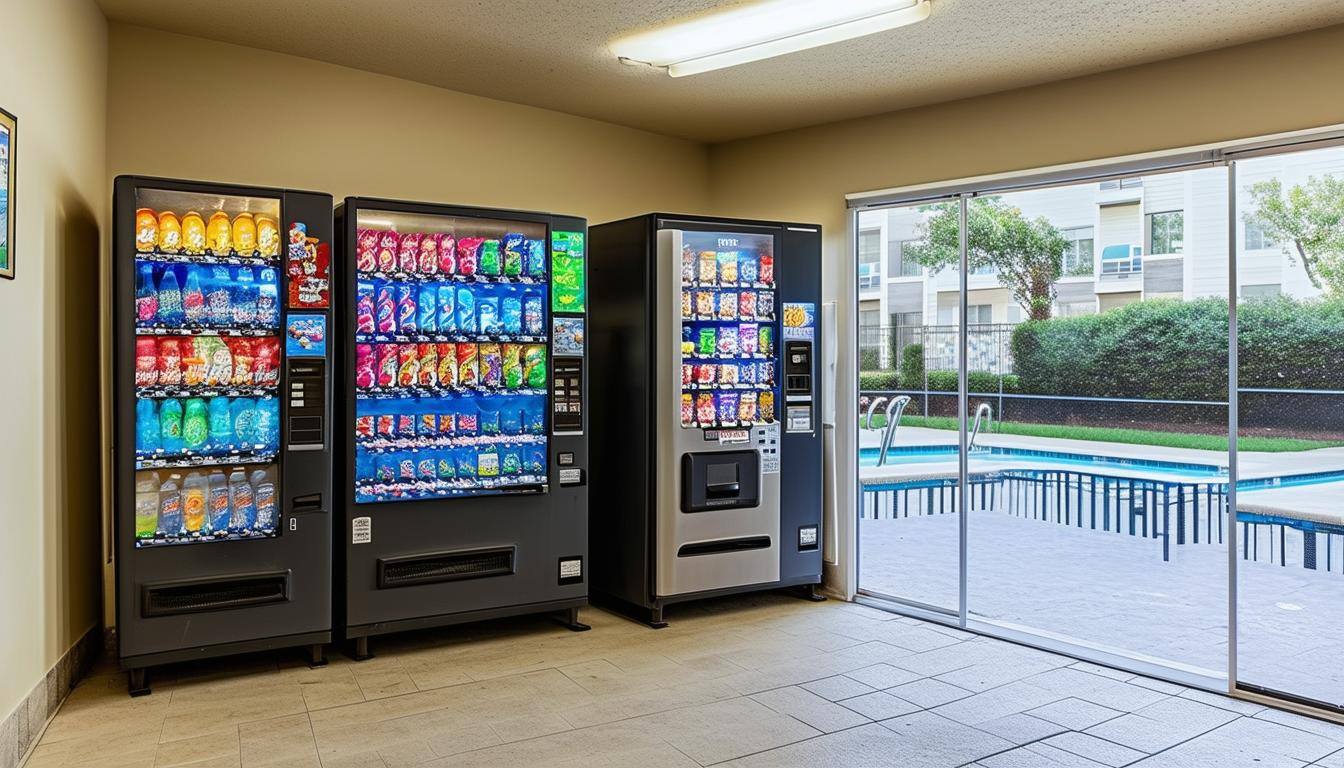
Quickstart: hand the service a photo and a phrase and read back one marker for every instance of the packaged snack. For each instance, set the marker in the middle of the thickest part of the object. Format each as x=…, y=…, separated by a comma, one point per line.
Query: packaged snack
x=765, y=305
x=708, y=342
x=364, y=426
x=727, y=267
x=746, y=373
x=727, y=407
x=492, y=364
x=765, y=373
x=746, y=305
x=193, y=233
x=405, y=422
x=385, y=424
x=489, y=420
x=704, y=305
x=170, y=232
x=447, y=245
x=170, y=362
x=447, y=365
x=467, y=424
x=686, y=313
x=487, y=462
x=727, y=342
x=266, y=362
x=728, y=374
x=512, y=247
x=388, y=355
x=704, y=409
x=388, y=244
x=535, y=463
x=219, y=295
x=426, y=469
x=366, y=250
x=687, y=265
x=426, y=426
x=429, y=364
x=534, y=365
x=364, y=307
x=447, y=308
x=487, y=313
x=748, y=335
x=218, y=361
x=146, y=362
x=709, y=268
x=365, y=366
x=726, y=308
x=219, y=233
x=747, y=269
x=511, y=418
x=268, y=237
x=408, y=252
x=386, y=471
x=407, y=314
x=766, y=341
x=468, y=255
x=243, y=359
x=406, y=467
x=765, y=406
x=408, y=365
x=244, y=234
x=513, y=366
x=534, y=417
x=535, y=251
x=687, y=374
x=746, y=407
x=445, y=467
x=688, y=340
x=465, y=458
x=687, y=409
x=385, y=307
x=706, y=374
x=511, y=461
x=427, y=308
x=468, y=365
x=146, y=230
x=466, y=311
x=534, y=316
x=767, y=269
x=489, y=259
x=511, y=313
x=428, y=261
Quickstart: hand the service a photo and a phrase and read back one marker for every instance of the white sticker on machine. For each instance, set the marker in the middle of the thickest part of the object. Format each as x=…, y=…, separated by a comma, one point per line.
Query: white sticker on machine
x=767, y=442
x=361, y=530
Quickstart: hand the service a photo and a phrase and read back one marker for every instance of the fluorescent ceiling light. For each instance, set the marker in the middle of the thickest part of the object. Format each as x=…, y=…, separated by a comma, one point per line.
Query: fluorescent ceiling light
x=764, y=30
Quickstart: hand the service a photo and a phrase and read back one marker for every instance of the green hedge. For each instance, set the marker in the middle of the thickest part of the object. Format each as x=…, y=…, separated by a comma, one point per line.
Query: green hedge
x=976, y=381
x=1173, y=349
x=912, y=367
x=870, y=381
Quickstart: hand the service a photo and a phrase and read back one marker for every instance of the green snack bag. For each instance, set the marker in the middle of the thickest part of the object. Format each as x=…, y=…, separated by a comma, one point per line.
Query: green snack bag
x=708, y=341
x=513, y=366
x=534, y=365
x=489, y=263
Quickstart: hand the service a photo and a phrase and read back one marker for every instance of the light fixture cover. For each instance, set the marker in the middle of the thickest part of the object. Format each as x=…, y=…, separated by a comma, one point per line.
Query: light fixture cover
x=763, y=30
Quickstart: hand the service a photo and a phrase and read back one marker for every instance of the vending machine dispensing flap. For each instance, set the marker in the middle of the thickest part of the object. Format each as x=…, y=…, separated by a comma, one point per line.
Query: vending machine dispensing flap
x=727, y=480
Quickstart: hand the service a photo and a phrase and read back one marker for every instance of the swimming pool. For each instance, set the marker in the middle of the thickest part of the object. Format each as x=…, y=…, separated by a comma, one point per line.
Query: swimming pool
x=1024, y=457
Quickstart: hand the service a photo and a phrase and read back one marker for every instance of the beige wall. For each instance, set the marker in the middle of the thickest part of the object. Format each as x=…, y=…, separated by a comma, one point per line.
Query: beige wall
x=53, y=77
x=1273, y=86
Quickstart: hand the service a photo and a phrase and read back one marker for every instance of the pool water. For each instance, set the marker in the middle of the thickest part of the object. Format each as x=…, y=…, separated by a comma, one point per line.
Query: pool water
x=928, y=454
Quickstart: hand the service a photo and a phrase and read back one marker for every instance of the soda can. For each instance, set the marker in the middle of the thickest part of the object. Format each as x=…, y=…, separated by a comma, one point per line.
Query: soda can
x=407, y=316
x=385, y=305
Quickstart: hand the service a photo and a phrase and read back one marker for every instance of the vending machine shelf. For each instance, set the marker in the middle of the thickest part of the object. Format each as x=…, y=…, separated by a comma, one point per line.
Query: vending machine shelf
x=379, y=444
x=206, y=538
x=450, y=338
x=400, y=393
x=204, y=330
x=159, y=392
x=233, y=259
x=439, y=277
x=192, y=461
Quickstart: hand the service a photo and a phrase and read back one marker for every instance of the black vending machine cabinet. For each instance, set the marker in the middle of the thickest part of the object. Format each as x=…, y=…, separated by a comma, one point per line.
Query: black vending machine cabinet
x=707, y=446
x=464, y=472
x=221, y=445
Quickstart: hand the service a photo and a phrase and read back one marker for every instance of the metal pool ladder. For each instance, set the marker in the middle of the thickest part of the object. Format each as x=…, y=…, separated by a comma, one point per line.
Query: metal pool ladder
x=893, y=423
x=988, y=414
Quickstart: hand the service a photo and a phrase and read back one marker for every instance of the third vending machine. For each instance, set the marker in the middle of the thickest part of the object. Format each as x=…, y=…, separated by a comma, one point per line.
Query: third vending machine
x=707, y=443
x=465, y=486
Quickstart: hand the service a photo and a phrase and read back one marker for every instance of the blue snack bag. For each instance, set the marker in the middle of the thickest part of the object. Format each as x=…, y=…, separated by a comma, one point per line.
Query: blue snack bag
x=534, y=419
x=511, y=461
x=487, y=314
x=465, y=458
x=447, y=322
x=535, y=253
x=511, y=311
x=466, y=311
x=536, y=460
x=511, y=419
x=428, y=309
x=489, y=420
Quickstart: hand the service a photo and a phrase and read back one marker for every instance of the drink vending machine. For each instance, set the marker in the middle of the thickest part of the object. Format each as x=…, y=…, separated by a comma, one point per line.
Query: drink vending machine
x=707, y=450
x=221, y=449
x=464, y=471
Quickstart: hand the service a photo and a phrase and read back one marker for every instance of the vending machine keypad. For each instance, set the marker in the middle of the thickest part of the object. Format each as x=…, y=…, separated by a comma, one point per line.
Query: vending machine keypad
x=306, y=380
x=567, y=416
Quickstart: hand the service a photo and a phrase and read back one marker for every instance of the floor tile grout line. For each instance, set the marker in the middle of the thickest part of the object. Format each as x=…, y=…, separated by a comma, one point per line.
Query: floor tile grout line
x=1147, y=755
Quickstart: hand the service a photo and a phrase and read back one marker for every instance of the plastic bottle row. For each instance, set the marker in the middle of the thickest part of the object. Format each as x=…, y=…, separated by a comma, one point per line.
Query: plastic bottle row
x=244, y=235
x=447, y=365
x=443, y=253
x=727, y=409
x=387, y=308
x=169, y=429
x=206, y=361
x=717, y=304
x=386, y=424
x=436, y=473
x=204, y=506
x=727, y=268
x=206, y=296
x=743, y=339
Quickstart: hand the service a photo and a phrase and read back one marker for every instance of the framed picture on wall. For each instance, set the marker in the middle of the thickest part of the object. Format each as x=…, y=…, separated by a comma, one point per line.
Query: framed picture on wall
x=8, y=125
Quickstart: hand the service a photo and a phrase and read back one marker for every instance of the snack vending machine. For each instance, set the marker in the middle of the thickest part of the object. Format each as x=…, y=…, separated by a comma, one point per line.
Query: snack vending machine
x=222, y=457
x=707, y=447
x=464, y=480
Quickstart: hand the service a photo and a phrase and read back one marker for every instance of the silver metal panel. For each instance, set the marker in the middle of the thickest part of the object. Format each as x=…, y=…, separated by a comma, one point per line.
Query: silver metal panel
x=682, y=575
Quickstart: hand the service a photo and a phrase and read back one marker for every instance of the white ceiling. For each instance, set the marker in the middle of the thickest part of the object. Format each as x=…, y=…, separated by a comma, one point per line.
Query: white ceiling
x=553, y=53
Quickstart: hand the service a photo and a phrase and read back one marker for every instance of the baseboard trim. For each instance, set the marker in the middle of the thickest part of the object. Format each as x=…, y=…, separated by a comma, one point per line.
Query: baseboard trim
x=19, y=731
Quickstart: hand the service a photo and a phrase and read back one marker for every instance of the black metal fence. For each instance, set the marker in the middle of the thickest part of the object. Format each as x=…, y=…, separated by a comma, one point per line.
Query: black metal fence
x=989, y=346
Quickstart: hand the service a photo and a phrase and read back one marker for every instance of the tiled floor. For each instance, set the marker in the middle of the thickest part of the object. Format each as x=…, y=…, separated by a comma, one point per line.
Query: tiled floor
x=760, y=681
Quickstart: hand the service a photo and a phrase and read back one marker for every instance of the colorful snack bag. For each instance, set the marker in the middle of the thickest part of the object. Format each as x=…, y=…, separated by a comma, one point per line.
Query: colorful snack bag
x=708, y=342
x=388, y=245
x=687, y=265
x=468, y=421
x=687, y=409
x=427, y=308
x=408, y=365
x=511, y=313
x=687, y=374
x=767, y=269
x=709, y=268
x=492, y=365
x=746, y=407
x=408, y=252
x=195, y=362
x=747, y=268
x=386, y=424
x=487, y=462
x=747, y=373
x=243, y=359
x=511, y=461
x=704, y=305
x=447, y=423
x=704, y=409
x=535, y=251
x=366, y=250
x=466, y=311
x=746, y=305
x=170, y=362
x=534, y=316
x=727, y=407
x=429, y=365
x=427, y=262
x=513, y=366
x=727, y=267
x=765, y=373
x=728, y=373
x=385, y=305
x=687, y=341
x=511, y=418
x=489, y=263
x=468, y=255
x=536, y=460
x=364, y=366
x=489, y=420
x=146, y=362
x=766, y=406
x=447, y=365
x=726, y=305
x=426, y=426
x=266, y=363
x=445, y=467
x=766, y=341
x=706, y=373
x=365, y=311
x=686, y=307
x=765, y=305
x=487, y=314
x=512, y=246
x=534, y=365
x=407, y=315
x=447, y=246
x=727, y=342
x=748, y=335
x=426, y=469
x=534, y=418
x=447, y=308
x=405, y=422
x=468, y=365
x=388, y=360
x=364, y=426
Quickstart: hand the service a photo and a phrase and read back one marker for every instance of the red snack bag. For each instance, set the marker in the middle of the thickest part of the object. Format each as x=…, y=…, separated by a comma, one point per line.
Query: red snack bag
x=244, y=358
x=429, y=365
x=266, y=362
x=447, y=253
x=408, y=368
x=409, y=252
x=366, y=365
x=767, y=269
x=170, y=362
x=146, y=362
x=387, y=365
x=468, y=365
x=429, y=255
x=468, y=254
x=364, y=426
x=388, y=244
x=385, y=425
x=366, y=250
x=447, y=365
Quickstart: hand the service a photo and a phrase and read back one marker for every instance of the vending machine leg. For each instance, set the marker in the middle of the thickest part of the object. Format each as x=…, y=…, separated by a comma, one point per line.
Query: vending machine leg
x=138, y=681
x=317, y=656
x=809, y=592
x=655, y=620
x=362, y=649
x=569, y=619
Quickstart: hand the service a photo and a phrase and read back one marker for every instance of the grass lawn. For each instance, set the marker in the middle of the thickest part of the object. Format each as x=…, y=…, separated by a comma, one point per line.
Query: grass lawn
x=1121, y=435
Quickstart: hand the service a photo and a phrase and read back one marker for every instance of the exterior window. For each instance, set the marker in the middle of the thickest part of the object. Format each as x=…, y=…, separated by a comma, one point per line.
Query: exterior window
x=870, y=318
x=979, y=314
x=1257, y=239
x=1078, y=256
x=870, y=256
x=1014, y=314
x=1166, y=232
x=1261, y=291
x=1077, y=308
x=1122, y=183
x=900, y=266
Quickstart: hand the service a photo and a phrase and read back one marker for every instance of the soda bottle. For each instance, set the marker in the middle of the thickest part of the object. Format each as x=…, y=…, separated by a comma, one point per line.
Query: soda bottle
x=170, y=299
x=219, y=296
x=195, y=425
x=267, y=424
x=244, y=414
x=263, y=495
x=268, y=297
x=147, y=435
x=146, y=294
x=221, y=426
x=170, y=426
x=170, y=508
x=242, y=504
x=193, y=296
x=217, y=503
x=193, y=503
x=147, y=506
x=244, y=297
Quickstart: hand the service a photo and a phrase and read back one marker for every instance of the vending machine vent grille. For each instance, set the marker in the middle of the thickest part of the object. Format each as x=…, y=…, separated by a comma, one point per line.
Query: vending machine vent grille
x=217, y=594
x=438, y=567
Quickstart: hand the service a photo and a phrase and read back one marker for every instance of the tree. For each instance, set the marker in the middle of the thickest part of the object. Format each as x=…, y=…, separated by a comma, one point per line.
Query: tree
x=1027, y=254
x=1310, y=219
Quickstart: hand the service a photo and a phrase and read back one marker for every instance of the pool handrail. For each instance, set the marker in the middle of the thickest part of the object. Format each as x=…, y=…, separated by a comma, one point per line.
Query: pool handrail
x=893, y=423
x=872, y=406
x=983, y=411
